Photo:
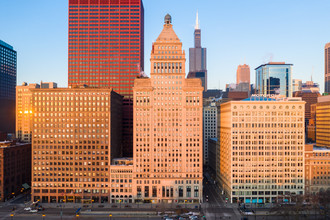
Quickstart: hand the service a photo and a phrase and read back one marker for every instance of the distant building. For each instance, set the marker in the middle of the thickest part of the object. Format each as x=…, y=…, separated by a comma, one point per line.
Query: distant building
x=107, y=51
x=327, y=68
x=262, y=150
x=317, y=166
x=209, y=128
x=323, y=122
x=213, y=159
x=24, y=110
x=296, y=85
x=8, y=75
x=15, y=168
x=235, y=95
x=274, y=78
x=76, y=134
x=311, y=127
x=197, y=58
x=168, y=127
x=243, y=74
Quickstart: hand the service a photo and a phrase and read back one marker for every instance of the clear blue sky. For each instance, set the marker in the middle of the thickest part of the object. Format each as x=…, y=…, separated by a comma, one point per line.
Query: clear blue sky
x=294, y=31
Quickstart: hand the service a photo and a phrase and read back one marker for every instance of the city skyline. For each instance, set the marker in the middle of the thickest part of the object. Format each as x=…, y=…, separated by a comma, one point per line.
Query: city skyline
x=283, y=36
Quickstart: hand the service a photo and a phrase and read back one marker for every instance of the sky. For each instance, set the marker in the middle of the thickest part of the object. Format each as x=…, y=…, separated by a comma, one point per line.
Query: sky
x=233, y=31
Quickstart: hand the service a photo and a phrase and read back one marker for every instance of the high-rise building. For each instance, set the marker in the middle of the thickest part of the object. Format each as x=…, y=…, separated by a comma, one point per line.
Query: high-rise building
x=168, y=127
x=296, y=85
x=317, y=166
x=24, y=113
x=15, y=169
x=274, y=78
x=209, y=128
x=243, y=74
x=327, y=68
x=76, y=133
x=262, y=149
x=106, y=49
x=8, y=73
x=323, y=121
x=197, y=58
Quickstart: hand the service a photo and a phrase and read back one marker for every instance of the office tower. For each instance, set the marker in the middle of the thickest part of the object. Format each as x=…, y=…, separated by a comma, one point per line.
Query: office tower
x=8, y=72
x=24, y=113
x=76, y=133
x=15, y=169
x=262, y=149
x=274, y=78
x=317, y=165
x=327, y=68
x=323, y=121
x=209, y=128
x=197, y=58
x=311, y=128
x=168, y=129
x=243, y=74
x=296, y=85
x=106, y=49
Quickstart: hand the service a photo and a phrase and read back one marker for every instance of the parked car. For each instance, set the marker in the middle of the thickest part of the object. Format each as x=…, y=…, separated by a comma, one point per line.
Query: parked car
x=27, y=208
x=33, y=210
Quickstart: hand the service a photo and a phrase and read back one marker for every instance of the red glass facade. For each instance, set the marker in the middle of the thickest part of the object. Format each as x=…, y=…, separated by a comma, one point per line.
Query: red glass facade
x=106, y=49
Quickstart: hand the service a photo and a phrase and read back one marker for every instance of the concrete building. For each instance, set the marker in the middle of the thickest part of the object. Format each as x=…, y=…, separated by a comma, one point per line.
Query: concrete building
x=317, y=169
x=24, y=113
x=213, y=159
x=197, y=58
x=168, y=127
x=262, y=149
x=327, y=68
x=8, y=78
x=15, y=168
x=209, y=128
x=296, y=85
x=243, y=74
x=274, y=78
x=323, y=122
x=76, y=134
x=311, y=128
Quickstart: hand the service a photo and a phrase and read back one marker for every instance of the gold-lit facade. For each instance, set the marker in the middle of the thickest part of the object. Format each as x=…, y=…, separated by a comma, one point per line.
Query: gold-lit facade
x=262, y=150
x=323, y=122
x=76, y=133
x=168, y=127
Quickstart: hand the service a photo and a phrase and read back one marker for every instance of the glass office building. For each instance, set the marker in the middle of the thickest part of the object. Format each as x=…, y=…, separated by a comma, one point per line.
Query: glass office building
x=274, y=79
x=8, y=70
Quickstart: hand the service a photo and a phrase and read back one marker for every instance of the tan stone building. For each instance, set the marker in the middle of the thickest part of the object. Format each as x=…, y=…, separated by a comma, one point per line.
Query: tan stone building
x=168, y=127
x=262, y=149
x=317, y=169
x=24, y=114
x=76, y=133
x=121, y=177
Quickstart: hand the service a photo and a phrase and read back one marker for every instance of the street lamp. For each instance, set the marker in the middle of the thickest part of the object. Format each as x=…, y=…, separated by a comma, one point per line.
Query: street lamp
x=12, y=216
x=110, y=216
x=119, y=203
x=43, y=216
x=77, y=216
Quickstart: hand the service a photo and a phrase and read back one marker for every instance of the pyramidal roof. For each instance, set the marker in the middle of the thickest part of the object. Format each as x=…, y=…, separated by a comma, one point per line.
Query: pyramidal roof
x=168, y=33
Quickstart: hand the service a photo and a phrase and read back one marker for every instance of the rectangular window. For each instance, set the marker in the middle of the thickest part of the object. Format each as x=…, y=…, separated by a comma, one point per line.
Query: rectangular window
x=188, y=191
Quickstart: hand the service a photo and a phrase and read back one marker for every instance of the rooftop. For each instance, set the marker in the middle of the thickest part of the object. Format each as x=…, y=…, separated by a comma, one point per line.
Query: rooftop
x=6, y=45
x=274, y=63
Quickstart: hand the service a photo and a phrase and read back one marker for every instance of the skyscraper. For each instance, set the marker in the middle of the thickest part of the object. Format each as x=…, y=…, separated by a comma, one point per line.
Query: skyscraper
x=168, y=127
x=274, y=78
x=243, y=74
x=327, y=68
x=323, y=122
x=209, y=128
x=106, y=49
x=8, y=72
x=197, y=58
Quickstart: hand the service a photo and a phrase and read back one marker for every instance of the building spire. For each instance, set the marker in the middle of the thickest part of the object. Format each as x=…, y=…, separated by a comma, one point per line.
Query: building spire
x=197, y=21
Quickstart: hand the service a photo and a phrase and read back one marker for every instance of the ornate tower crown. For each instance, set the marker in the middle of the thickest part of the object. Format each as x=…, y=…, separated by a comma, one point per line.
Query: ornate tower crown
x=168, y=19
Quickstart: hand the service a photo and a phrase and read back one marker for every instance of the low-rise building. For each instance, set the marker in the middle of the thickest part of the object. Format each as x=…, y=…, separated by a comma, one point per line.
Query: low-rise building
x=317, y=169
x=15, y=168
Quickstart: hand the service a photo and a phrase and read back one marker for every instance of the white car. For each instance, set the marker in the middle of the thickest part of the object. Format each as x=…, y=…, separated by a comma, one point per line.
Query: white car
x=27, y=208
x=33, y=210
